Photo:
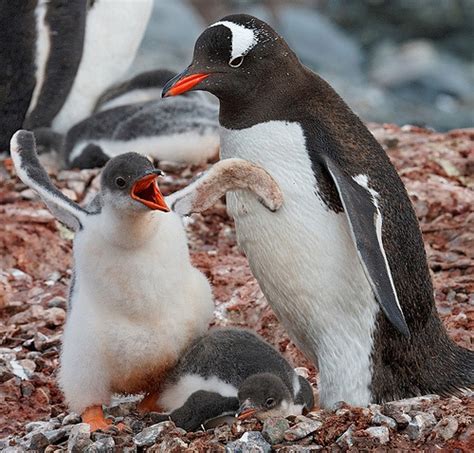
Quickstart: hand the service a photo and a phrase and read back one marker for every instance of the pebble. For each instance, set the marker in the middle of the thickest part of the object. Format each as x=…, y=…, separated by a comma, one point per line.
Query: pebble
x=79, y=438
x=274, y=429
x=446, y=427
x=346, y=440
x=250, y=442
x=409, y=404
x=102, y=445
x=300, y=448
x=149, y=435
x=58, y=302
x=303, y=428
x=37, y=442
x=379, y=432
x=380, y=419
x=419, y=425
x=71, y=419
x=54, y=316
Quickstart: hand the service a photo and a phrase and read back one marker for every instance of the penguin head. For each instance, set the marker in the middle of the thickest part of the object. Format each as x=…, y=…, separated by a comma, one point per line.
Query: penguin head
x=235, y=56
x=263, y=395
x=129, y=182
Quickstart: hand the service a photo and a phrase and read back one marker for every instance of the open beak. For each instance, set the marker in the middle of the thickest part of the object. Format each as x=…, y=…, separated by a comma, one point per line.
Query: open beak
x=246, y=411
x=181, y=83
x=146, y=191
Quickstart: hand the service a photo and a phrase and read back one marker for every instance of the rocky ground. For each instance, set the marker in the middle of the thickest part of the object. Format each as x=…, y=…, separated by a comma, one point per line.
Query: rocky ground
x=35, y=269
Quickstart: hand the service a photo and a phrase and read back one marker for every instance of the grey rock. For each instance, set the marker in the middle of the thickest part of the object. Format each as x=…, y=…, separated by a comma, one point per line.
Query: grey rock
x=379, y=432
x=409, y=404
x=149, y=435
x=420, y=425
x=40, y=426
x=58, y=301
x=71, y=419
x=383, y=420
x=300, y=448
x=79, y=438
x=446, y=427
x=38, y=442
x=274, y=429
x=105, y=444
x=346, y=439
x=5, y=374
x=56, y=435
x=13, y=450
x=302, y=428
x=250, y=442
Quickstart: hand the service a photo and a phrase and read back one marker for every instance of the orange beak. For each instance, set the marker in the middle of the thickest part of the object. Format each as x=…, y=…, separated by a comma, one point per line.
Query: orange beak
x=179, y=85
x=146, y=191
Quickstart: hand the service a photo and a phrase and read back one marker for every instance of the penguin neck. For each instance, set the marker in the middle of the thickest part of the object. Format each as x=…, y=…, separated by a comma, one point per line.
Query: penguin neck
x=128, y=229
x=264, y=102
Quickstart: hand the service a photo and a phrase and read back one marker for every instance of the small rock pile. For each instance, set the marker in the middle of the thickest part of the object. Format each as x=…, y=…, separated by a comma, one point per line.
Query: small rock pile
x=410, y=423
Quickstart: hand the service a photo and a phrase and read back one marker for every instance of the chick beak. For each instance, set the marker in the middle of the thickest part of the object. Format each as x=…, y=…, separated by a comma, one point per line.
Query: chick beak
x=182, y=82
x=146, y=191
x=246, y=411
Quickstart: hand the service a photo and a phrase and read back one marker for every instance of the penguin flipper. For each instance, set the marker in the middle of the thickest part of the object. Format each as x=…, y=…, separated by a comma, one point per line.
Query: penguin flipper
x=227, y=175
x=30, y=171
x=360, y=204
x=201, y=407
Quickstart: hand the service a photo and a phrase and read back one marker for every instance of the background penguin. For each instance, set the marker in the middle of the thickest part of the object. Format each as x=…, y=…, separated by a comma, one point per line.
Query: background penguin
x=229, y=371
x=136, y=302
x=349, y=278
x=180, y=130
x=146, y=86
x=97, y=38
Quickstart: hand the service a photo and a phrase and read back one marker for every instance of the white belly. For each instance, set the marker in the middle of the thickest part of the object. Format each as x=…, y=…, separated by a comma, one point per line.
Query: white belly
x=133, y=312
x=305, y=262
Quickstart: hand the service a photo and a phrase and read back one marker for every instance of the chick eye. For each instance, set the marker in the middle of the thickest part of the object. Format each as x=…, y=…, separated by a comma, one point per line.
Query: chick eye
x=270, y=402
x=236, y=62
x=120, y=182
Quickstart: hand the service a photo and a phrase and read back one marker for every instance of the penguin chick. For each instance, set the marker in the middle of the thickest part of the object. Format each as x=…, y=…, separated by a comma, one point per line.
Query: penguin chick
x=229, y=371
x=136, y=302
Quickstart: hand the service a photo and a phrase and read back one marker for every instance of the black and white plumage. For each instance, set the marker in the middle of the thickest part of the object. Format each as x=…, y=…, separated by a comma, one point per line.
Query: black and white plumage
x=343, y=262
x=59, y=57
x=180, y=130
x=136, y=301
x=228, y=372
x=146, y=86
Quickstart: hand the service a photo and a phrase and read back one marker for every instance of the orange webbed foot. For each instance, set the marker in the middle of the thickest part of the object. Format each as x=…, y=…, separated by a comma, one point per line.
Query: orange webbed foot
x=94, y=416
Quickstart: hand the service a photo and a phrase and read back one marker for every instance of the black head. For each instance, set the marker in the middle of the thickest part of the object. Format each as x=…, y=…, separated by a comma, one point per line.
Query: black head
x=129, y=181
x=235, y=56
x=263, y=395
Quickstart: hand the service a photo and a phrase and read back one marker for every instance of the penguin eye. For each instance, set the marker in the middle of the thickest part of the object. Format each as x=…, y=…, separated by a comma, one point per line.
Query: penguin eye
x=120, y=182
x=270, y=402
x=236, y=62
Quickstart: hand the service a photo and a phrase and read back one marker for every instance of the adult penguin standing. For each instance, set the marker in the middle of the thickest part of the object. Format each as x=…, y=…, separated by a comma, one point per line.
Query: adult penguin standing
x=342, y=263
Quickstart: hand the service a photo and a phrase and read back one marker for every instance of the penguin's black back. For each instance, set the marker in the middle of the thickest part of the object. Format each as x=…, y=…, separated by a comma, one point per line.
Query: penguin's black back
x=233, y=355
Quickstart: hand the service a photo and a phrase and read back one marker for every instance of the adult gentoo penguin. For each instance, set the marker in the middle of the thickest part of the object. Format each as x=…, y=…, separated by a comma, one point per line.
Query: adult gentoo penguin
x=136, y=302
x=231, y=371
x=342, y=263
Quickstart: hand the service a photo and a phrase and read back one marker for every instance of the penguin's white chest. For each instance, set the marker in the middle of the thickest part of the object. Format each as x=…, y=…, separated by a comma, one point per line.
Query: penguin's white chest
x=304, y=260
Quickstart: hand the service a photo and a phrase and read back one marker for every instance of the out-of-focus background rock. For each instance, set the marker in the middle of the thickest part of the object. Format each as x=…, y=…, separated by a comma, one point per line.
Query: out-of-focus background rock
x=397, y=61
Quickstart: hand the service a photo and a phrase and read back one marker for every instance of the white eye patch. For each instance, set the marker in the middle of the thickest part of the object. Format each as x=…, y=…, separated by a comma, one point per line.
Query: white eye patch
x=243, y=39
